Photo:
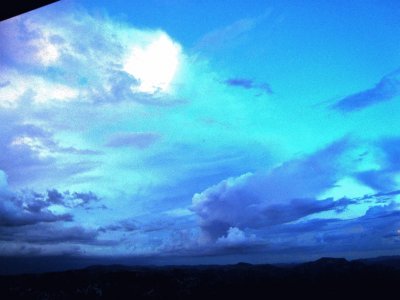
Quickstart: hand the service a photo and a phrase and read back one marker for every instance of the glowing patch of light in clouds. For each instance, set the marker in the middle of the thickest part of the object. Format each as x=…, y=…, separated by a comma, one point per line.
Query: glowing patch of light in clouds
x=154, y=65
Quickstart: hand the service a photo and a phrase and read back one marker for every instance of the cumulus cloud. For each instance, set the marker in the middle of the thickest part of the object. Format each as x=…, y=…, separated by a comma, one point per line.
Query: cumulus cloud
x=386, y=89
x=285, y=193
x=235, y=237
x=294, y=189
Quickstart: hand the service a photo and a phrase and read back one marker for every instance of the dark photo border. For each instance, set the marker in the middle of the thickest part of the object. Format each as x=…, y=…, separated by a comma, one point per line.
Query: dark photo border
x=11, y=9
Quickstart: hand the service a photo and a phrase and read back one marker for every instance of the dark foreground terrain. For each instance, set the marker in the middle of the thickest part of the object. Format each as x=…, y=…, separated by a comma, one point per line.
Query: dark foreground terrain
x=321, y=279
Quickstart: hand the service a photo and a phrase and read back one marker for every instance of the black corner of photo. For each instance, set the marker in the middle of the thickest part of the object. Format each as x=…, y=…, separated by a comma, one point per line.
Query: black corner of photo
x=9, y=9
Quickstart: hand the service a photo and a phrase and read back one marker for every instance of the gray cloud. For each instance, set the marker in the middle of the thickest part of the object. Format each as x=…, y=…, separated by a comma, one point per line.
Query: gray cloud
x=386, y=89
x=29, y=207
x=286, y=193
x=127, y=225
x=383, y=179
x=54, y=235
x=249, y=84
x=28, y=152
x=15, y=211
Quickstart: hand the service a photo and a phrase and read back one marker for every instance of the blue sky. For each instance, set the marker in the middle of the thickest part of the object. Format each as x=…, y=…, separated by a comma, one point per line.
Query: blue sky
x=207, y=130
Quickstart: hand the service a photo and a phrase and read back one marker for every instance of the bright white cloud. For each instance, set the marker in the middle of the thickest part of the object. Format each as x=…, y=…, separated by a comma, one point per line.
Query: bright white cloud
x=89, y=60
x=155, y=64
x=235, y=237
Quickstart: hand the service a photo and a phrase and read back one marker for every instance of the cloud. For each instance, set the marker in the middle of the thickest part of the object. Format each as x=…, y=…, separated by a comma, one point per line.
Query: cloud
x=29, y=151
x=29, y=218
x=236, y=237
x=282, y=209
x=28, y=207
x=385, y=90
x=222, y=36
x=249, y=84
x=68, y=199
x=83, y=58
x=25, y=209
x=285, y=193
x=219, y=37
x=37, y=88
x=376, y=230
x=384, y=178
x=133, y=139
x=127, y=225
x=44, y=234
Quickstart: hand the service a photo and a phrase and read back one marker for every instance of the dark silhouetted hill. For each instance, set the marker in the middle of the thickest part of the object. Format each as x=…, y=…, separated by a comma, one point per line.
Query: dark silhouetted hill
x=326, y=278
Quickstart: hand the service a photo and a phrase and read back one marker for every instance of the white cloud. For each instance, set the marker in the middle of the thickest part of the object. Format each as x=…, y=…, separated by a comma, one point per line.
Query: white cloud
x=34, y=143
x=235, y=237
x=41, y=89
x=85, y=58
x=155, y=64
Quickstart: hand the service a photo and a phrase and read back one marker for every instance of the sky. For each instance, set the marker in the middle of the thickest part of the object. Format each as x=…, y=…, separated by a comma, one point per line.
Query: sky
x=201, y=131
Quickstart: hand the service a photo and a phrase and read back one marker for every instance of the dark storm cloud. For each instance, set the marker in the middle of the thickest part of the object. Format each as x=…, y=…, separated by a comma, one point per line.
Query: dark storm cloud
x=133, y=139
x=386, y=89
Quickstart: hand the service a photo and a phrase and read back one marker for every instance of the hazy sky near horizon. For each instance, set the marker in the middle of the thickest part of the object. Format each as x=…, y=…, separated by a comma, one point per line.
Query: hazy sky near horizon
x=259, y=130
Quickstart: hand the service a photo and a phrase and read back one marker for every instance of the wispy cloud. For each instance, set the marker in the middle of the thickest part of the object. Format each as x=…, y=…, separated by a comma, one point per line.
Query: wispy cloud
x=249, y=84
x=222, y=36
x=133, y=139
x=386, y=89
